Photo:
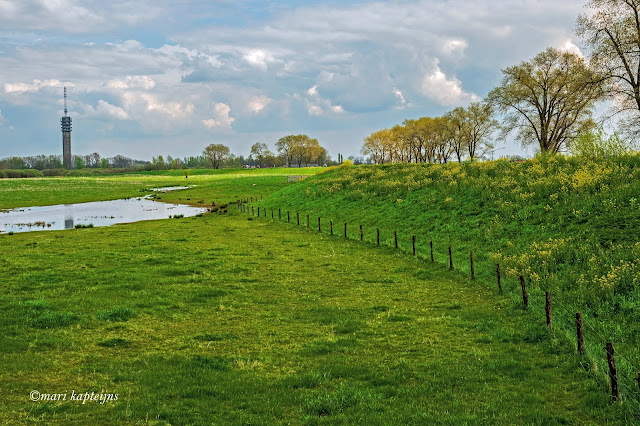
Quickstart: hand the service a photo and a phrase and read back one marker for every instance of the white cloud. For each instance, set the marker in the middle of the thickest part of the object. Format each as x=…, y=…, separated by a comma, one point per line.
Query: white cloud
x=142, y=102
x=258, y=103
x=444, y=90
x=132, y=82
x=314, y=109
x=258, y=58
x=33, y=87
x=313, y=90
x=455, y=47
x=106, y=110
x=568, y=46
x=221, y=118
x=399, y=95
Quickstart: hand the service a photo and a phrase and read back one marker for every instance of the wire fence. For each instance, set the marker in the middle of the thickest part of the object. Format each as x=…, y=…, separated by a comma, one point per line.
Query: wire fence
x=611, y=367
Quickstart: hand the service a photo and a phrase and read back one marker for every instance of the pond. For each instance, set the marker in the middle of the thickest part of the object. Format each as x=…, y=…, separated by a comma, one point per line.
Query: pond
x=98, y=213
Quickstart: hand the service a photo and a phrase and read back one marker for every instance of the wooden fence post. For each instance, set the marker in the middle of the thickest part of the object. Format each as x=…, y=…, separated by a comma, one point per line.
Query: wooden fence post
x=499, y=277
x=395, y=237
x=525, y=296
x=331, y=226
x=345, y=229
x=319, y=230
x=258, y=211
x=271, y=213
x=413, y=243
x=288, y=217
x=298, y=217
x=450, y=259
x=265, y=212
x=473, y=268
x=613, y=373
x=378, y=236
x=580, y=333
x=431, y=245
x=252, y=199
x=279, y=215
x=547, y=307
x=361, y=234
x=308, y=223
x=253, y=212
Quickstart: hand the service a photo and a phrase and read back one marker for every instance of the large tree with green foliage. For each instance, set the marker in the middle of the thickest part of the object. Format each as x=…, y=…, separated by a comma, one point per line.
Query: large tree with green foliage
x=215, y=154
x=548, y=100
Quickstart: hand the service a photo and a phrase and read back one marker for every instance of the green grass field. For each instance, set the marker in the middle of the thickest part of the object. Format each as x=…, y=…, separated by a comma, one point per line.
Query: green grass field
x=224, y=185
x=224, y=320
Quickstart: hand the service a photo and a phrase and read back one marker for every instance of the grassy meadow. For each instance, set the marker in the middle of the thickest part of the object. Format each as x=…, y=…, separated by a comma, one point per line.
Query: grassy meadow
x=230, y=319
x=224, y=185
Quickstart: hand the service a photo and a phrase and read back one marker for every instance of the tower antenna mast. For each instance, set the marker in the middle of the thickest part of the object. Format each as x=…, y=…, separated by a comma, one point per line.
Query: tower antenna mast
x=65, y=101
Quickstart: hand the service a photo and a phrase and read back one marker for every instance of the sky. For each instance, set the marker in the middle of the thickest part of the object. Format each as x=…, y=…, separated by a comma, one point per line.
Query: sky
x=168, y=77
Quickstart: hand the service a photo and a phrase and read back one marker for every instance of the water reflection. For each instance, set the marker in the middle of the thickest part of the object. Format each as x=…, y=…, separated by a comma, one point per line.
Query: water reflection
x=99, y=213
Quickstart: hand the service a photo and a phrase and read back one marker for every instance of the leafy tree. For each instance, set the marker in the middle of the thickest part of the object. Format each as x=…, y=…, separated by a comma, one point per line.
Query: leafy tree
x=612, y=34
x=596, y=144
x=260, y=151
x=548, y=100
x=479, y=126
x=377, y=145
x=301, y=149
x=78, y=162
x=215, y=154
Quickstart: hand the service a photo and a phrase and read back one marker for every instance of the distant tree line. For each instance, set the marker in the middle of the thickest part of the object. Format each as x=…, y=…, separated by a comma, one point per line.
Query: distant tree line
x=461, y=133
x=49, y=162
x=293, y=150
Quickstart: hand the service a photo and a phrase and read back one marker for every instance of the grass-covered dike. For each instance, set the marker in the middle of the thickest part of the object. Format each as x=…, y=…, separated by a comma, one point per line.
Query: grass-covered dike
x=571, y=227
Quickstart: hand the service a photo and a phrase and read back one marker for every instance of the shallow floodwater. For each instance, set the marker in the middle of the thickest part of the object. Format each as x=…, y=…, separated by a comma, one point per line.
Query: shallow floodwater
x=98, y=213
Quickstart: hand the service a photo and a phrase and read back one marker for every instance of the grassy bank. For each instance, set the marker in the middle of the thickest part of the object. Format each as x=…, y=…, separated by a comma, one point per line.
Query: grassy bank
x=224, y=320
x=570, y=227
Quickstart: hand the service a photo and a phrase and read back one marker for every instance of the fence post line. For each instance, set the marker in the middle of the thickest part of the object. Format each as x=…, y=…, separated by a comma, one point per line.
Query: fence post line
x=361, y=234
x=395, y=237
x=547, y=307
x=473, y=268
x=613, y=373
x=298, y=217
x=580, y=333
x=499, y=277
x=378, y=236
x=345, y=229
x=413, y=244
x=450, y=259
x=331, y=226
x=431, y=245
x=319, y=229
x=525, y=296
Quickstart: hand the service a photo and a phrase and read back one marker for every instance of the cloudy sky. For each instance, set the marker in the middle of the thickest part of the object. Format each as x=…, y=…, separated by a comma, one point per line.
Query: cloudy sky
x=149, y=77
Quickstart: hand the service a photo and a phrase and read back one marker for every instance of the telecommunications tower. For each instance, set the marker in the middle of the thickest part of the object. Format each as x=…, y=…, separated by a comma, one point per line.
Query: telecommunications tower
x=66, y=136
